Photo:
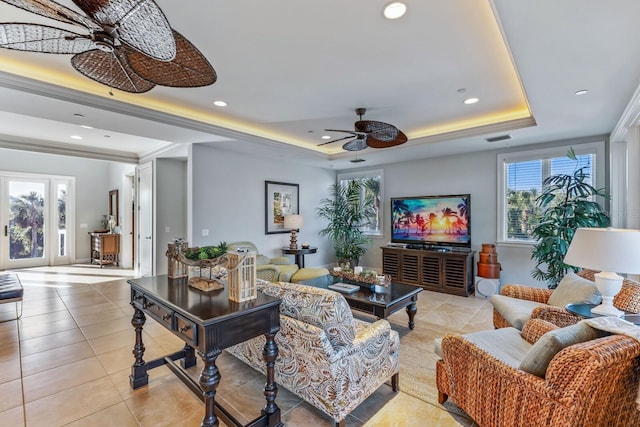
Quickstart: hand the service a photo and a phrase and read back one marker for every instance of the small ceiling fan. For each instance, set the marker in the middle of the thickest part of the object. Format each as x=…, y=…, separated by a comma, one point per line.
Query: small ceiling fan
x=128, y=45
x=369, y=133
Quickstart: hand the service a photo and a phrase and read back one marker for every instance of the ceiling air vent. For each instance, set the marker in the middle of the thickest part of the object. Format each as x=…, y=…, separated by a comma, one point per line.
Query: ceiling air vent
x=499, y=138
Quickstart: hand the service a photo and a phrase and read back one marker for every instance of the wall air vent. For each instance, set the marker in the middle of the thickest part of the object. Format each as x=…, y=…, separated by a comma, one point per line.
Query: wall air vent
x=499, y=138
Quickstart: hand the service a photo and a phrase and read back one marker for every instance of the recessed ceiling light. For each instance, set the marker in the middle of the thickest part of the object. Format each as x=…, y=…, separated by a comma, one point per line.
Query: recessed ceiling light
x=76, y=137
x=469, y=101
x=394, y=10
x=219, y=103
x=326, y=137
x=582, y=92
x=86, y=126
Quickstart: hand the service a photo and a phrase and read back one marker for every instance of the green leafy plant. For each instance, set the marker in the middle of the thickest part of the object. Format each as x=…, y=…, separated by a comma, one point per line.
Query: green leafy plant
x=347, y=209
x=567, y=203
x=206, y=252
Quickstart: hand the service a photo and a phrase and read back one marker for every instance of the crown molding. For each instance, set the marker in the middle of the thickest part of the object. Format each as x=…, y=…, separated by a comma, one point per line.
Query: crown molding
x=48, y=147
x=36, y=87
x=630, y=117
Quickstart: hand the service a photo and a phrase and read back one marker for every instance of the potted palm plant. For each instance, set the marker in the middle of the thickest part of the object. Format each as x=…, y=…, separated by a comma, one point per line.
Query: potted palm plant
x=347, y=209
x=567, y=202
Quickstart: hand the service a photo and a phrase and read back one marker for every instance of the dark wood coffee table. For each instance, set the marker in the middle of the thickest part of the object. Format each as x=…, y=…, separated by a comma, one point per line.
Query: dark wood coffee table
x=381, y=305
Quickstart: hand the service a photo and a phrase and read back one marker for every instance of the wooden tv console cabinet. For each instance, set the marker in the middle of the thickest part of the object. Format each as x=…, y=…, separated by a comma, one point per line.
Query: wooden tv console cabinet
x=448, y=271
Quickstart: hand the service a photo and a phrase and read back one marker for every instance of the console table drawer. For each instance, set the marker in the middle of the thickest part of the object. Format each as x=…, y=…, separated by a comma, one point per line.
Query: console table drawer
x=187, y=330
x=159, y=312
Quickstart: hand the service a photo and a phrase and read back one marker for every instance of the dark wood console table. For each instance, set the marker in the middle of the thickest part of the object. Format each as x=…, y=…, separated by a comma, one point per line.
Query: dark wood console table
x=208, y=322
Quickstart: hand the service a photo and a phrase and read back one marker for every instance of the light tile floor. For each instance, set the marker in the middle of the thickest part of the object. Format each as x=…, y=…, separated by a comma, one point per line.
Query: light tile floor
x=66, y=362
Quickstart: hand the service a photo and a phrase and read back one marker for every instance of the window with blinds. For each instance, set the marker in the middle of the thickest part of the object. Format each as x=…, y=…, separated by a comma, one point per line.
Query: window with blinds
x=522, y=176
x=372, y=181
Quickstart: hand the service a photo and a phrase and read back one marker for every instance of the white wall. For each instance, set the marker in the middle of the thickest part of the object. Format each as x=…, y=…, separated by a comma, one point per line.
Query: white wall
x=171, y=207
x=229, y=200
x=92, y=186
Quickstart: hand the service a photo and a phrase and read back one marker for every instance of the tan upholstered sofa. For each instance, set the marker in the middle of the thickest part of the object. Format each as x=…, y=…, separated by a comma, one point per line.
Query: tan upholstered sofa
x=328, y=358
x=541, y=376
x=517, y=303
x=272, y=269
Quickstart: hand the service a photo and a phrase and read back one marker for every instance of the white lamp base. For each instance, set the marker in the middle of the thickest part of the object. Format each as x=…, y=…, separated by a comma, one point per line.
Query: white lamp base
x=609, y=284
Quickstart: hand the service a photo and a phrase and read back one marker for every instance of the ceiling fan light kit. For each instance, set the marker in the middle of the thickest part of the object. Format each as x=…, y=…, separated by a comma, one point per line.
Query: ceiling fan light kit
x=369, y=133
x=129, y=44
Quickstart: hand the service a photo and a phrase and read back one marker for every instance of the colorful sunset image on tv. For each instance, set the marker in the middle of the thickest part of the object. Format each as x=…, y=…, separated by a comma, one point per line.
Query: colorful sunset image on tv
x=434, y=220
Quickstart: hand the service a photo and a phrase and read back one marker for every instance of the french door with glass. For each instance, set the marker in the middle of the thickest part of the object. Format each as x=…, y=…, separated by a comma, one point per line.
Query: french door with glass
x=36, y=218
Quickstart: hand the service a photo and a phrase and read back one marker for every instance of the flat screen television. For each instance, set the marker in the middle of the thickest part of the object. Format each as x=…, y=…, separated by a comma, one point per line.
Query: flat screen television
x=432, y=221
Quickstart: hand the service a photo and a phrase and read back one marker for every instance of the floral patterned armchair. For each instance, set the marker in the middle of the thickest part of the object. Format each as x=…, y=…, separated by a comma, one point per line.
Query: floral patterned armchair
x=328, y=358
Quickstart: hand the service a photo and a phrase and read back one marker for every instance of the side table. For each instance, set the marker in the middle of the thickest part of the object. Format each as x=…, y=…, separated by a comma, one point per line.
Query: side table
x=584, y=310
x=299, y=254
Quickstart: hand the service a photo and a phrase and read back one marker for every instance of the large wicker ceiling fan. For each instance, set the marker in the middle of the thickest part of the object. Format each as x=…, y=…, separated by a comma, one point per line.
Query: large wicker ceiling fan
x=129, y=44
x=369, y=133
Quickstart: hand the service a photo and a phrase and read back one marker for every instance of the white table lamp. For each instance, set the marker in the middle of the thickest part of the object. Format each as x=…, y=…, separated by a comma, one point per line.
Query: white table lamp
x=610, y=250
x=293, y=223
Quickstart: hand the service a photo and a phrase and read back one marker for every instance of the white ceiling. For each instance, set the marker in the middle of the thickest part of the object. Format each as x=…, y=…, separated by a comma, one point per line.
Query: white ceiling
x=290, y=69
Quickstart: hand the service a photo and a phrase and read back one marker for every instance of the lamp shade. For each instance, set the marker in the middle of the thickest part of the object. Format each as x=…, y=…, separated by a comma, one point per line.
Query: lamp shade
x=293, y=222
x=605, y=249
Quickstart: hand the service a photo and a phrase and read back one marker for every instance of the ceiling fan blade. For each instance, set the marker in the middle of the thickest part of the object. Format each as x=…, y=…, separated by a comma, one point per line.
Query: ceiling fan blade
x=110, y=69
x=140, y=24
x=379, y=130
x=401, y=138
x=189, y=68
x=336, y=140
x=342, y=130
x=53, y=10
x=41, y=38
x=357, y=144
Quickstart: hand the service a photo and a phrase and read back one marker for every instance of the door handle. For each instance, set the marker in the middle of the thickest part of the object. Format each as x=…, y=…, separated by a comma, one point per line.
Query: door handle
x=6, y=230
x=148, y=237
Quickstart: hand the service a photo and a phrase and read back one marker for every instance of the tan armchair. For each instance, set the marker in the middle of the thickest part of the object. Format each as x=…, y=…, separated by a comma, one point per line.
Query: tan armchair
x=270, y=269
x=591, y=383
x=533, y=303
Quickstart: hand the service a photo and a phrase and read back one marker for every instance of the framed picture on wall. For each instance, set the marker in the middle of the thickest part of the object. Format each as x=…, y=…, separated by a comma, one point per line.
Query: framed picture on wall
x=281, y=199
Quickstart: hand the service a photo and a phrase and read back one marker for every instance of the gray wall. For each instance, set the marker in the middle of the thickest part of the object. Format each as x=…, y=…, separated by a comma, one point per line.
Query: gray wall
x=171, y=206
x=92, y=186
x=473, y=173
x=229, y=200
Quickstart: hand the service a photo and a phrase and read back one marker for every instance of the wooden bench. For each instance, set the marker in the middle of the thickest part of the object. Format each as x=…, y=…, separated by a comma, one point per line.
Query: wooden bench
x=11, y=290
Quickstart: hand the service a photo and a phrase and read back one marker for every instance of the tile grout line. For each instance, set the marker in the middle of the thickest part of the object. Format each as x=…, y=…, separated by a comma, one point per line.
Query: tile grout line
x=24, y=403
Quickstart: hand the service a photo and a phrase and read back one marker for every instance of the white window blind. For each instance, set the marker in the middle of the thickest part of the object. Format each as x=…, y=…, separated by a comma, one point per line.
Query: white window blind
x=521, y=177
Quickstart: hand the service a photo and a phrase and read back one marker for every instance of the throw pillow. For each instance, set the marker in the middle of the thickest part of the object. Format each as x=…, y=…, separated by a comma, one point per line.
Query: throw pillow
x=540, y=354
x=574, y=289
x=535, y=328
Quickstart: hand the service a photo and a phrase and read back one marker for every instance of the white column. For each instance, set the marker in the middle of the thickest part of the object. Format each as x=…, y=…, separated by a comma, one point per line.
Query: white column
x=632, y=212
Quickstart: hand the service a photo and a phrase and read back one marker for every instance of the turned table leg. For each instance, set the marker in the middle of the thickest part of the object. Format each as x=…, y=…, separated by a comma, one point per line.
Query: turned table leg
x=270, y=353
x=139, y=376
x=411, y=311
x=209, y=380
